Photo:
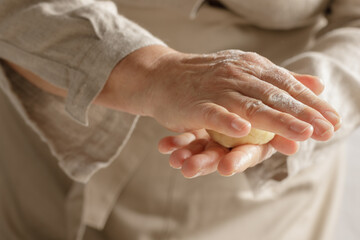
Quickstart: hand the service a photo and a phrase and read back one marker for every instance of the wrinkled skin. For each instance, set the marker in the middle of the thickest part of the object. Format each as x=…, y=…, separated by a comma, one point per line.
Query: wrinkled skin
x=216, y=86
x=196, y=154
x=231, y=89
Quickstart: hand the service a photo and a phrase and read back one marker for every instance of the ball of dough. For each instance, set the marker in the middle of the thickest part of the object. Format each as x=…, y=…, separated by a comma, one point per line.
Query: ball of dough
x=256, y=136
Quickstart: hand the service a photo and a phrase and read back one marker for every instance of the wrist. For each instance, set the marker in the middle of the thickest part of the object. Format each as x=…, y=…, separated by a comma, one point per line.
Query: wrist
x=127, y=86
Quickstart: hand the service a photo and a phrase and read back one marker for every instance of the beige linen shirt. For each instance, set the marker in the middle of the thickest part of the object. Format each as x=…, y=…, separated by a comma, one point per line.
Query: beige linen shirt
x=75, y=44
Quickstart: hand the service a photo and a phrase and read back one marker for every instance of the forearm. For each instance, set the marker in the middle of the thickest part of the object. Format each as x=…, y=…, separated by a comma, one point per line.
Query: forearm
x=38, y=81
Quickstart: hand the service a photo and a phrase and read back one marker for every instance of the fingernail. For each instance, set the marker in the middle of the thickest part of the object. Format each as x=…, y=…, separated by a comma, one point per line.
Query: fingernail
x=174, y=163
x=196, y=175
x=332, y=117
x=321, y=81
x=184, y=140
x=300, y=127
x=239, y=124
x=175, y=167
x=169, y=151
x=322, y=127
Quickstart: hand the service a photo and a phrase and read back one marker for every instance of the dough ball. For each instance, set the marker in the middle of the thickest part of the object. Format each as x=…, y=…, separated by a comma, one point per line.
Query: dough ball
x=256, y=136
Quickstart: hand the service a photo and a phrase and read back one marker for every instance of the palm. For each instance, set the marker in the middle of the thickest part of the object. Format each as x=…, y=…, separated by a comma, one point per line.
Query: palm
x=196, y=154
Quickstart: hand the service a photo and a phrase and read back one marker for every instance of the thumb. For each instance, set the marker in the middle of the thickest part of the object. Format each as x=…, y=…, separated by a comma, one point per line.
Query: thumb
x=218, y=118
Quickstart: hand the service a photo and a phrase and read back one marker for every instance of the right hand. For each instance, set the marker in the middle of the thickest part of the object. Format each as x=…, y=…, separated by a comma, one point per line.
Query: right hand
x=225, y=92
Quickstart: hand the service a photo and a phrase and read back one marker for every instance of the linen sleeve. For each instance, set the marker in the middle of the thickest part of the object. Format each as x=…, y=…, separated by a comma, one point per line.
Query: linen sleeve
x=73, y=45
x=335, y=58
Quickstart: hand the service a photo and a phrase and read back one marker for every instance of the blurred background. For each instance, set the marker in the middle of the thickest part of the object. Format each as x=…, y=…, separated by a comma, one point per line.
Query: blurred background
x=348, y=226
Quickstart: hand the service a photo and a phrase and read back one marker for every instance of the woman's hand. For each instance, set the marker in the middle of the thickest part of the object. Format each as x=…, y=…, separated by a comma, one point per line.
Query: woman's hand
x=197, y=155
x=224, y=91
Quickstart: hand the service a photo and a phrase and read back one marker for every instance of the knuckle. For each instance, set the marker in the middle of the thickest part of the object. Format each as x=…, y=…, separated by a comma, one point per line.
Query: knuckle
x=283, y=118
x=225, y=68
x=285, y=102
x=298, y=90
x=251, y=56
x=276, y=98
x=255, y=57
x=210, y=113
x=272, y=93
x=276, y=74
x=252, y=107
x=282, y=71
x=230, y=53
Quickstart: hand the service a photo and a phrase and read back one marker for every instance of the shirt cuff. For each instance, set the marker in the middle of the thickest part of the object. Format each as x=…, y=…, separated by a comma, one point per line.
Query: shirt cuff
x=97, y=65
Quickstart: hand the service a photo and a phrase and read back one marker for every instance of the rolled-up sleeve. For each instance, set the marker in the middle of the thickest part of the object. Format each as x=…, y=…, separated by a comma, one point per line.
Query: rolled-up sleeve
x=73, y=45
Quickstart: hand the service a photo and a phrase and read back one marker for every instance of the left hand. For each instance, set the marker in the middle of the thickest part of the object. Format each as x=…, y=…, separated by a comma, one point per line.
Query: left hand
x=197, y=155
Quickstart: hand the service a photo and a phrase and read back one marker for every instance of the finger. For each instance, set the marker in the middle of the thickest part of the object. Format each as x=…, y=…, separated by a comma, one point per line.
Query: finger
x=280, y=100
x=178, y=157
x=263, y=117
x=204, y=163
x=312, y=82
x=284, y=145
x=169, y=144
x=243, y=157
x=217, y=118
x=281, y=78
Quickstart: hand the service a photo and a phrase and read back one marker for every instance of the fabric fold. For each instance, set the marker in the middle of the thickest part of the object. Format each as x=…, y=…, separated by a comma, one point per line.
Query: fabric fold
x=73, y=45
